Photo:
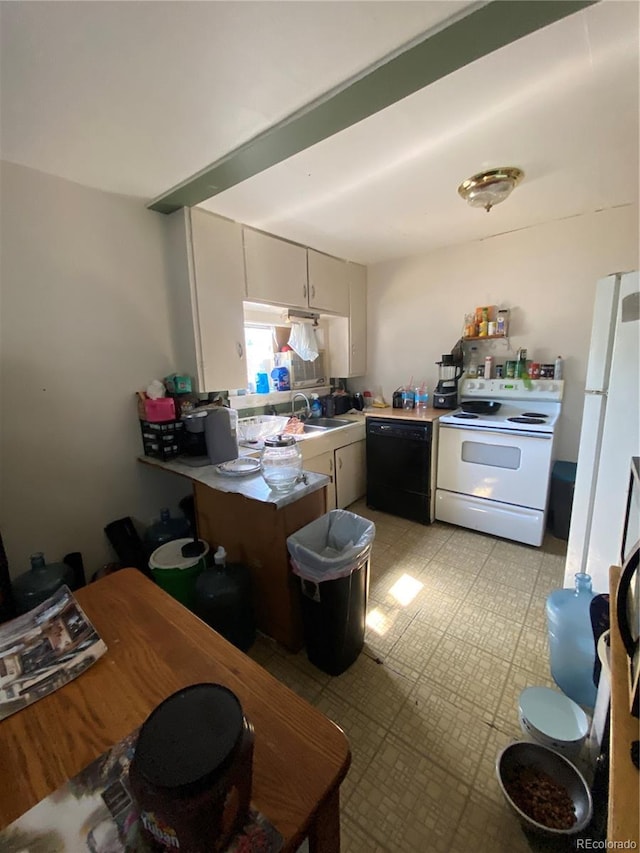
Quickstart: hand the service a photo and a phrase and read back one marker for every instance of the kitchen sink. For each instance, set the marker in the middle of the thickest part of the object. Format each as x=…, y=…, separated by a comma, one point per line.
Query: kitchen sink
x=312, y=424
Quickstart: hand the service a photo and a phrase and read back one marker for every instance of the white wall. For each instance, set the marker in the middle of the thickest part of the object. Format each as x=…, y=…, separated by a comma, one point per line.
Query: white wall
x=546, y=275
x=84, y=324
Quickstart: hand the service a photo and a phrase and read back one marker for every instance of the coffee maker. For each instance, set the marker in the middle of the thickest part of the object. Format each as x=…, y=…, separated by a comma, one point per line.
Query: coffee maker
x=445, y=395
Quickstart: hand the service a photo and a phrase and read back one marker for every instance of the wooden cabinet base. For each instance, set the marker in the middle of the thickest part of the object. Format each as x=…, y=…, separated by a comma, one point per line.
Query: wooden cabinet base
x=256, y=534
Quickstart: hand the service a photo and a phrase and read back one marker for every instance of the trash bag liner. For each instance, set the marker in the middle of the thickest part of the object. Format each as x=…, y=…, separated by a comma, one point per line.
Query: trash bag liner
x=332, y=546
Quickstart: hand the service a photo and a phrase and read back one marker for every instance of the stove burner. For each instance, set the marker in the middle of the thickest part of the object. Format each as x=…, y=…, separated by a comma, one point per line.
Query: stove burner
x=527, y=420
x=534, y=415
x=465, y=415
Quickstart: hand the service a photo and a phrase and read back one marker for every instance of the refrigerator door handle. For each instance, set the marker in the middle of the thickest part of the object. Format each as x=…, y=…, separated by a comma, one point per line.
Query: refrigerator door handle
x=596, y=393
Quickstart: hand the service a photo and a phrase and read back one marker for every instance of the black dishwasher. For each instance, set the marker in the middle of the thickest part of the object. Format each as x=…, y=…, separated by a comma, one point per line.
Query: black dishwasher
x=398, y=468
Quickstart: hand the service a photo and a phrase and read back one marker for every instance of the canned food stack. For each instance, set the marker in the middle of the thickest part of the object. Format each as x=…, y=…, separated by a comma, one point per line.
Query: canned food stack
x=487, y=321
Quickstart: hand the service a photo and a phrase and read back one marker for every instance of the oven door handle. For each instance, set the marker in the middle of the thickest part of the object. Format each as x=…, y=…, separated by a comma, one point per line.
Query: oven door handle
x=498, y=431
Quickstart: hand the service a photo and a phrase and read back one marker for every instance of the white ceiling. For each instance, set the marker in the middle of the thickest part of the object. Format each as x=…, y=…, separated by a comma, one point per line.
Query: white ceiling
x=136, y=97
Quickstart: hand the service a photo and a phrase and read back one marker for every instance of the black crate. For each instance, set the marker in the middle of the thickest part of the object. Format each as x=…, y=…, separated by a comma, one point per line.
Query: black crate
x=162, y=440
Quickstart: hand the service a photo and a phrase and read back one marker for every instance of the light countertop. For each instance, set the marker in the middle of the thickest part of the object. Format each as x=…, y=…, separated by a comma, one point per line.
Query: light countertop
x=429, y=414
x=252, y=486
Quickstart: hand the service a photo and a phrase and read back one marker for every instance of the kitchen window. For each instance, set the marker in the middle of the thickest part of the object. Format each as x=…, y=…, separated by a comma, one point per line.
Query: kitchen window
x=261, y=343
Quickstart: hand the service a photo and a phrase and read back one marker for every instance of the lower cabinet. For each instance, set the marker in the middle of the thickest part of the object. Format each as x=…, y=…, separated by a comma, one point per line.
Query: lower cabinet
x=351, y=473
x=346, y=467
x=324, y=464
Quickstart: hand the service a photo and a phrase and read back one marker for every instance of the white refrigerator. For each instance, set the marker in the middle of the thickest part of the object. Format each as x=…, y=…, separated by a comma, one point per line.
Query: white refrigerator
x=610, y=433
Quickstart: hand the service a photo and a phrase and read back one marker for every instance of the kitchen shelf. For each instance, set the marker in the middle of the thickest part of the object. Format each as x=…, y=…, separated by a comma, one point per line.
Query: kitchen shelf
x=485, y=338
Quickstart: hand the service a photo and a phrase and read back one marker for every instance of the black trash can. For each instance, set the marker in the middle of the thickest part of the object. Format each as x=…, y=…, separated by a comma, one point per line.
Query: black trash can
x=331, y=557
x=563, y=481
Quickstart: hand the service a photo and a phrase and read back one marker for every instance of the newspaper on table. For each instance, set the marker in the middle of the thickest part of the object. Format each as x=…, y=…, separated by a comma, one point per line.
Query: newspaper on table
x=44, y=649
x=95, y=811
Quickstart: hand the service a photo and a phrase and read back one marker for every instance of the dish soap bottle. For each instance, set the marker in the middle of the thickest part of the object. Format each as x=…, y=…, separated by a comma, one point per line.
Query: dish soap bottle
x=316, y=406
x=571, y=643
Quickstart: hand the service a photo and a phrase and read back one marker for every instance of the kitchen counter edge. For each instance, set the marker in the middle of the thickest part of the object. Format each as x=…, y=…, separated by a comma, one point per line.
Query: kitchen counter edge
x=429, y=415
x=252, y=487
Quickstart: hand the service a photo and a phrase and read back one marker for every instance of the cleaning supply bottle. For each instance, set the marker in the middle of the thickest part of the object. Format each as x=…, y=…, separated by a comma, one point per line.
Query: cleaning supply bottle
x=223, y=600
x=316, y=406
x=571, y=644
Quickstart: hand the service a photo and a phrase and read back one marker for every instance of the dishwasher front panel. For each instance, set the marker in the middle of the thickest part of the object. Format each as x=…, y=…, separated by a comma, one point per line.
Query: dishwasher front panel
x=398, y=468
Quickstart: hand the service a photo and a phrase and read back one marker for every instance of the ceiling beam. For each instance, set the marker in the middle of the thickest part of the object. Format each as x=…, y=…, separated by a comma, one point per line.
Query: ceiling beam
x=404, y=72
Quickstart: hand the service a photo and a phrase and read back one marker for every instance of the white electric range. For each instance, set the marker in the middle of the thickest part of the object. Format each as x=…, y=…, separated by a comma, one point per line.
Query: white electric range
x=494, y=470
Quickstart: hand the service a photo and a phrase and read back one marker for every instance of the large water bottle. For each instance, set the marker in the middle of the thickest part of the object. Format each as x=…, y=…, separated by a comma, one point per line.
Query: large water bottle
x=571, y=643
x=40, y=582
x=165, y=529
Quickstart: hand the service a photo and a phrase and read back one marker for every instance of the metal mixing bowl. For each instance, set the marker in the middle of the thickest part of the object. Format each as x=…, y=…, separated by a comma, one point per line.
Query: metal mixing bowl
x=524, y=754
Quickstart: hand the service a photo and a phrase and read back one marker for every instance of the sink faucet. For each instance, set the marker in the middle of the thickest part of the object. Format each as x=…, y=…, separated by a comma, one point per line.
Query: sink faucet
x=307, y=412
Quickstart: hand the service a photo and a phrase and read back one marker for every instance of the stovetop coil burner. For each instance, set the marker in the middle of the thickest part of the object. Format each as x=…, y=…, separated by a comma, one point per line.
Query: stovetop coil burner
x=527, y=420
x=466, y=415
x=534, y=415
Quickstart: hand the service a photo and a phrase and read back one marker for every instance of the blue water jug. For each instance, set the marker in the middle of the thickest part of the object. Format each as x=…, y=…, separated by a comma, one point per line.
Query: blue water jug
x=571, y=643
x=166, y=529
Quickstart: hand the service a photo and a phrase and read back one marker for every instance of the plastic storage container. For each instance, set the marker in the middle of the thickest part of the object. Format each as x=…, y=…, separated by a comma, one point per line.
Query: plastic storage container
x=331, y=557
x=191, y=774
x=223, y=600
x=552, y=719
x=41, y=581
x=563, y=481
x=176, y=574
x=165, y=529
x=162, y=440
x=571, y=643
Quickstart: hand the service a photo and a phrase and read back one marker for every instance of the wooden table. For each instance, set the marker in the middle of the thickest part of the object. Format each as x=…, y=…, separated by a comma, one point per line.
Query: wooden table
x=155, y=647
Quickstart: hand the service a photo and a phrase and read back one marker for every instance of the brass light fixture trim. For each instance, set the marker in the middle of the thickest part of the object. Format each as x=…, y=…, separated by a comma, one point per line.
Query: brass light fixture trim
x=487, y=189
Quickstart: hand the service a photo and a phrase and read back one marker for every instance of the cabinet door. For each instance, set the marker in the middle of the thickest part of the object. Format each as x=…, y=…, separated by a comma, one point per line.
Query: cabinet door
x=324, y=464
x=218, y=268
x=328, y=283
x=276, y=270
x=357, y=320
x=351, y=474
x=348, y=335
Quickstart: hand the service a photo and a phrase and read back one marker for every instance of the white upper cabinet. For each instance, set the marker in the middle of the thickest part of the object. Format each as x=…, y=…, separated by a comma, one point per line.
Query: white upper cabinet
x=276, y=270
x=328, y=283
x=207, y=274
x=348, y=335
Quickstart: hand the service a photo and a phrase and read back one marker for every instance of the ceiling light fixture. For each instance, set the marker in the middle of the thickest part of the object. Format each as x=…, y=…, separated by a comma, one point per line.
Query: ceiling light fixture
x=489, y=188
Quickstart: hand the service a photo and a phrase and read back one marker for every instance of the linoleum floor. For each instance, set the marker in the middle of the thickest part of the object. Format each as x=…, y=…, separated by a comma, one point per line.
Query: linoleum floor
x=455, y=630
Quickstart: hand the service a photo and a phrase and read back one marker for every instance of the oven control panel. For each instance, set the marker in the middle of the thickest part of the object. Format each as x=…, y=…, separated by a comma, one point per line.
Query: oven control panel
x=516, y=389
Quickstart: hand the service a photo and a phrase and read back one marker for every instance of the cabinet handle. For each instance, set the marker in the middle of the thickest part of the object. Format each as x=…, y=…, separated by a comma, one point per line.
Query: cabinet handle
x=304, y=290
x=340, y=463
x=240, y=349
x=313, y=291
x=331, y=464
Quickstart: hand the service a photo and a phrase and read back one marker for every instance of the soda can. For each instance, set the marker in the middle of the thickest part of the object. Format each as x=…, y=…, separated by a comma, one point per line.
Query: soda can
x=499, y=371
